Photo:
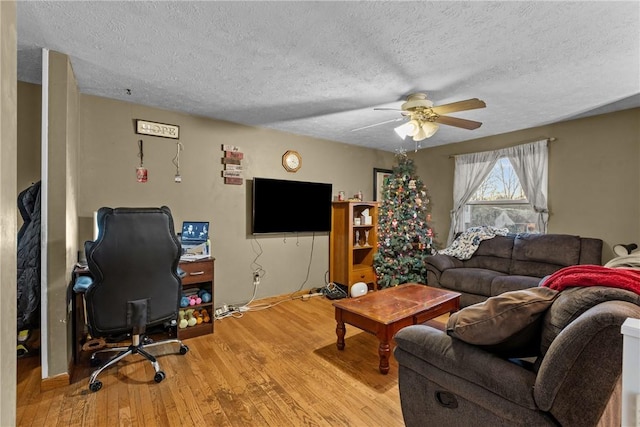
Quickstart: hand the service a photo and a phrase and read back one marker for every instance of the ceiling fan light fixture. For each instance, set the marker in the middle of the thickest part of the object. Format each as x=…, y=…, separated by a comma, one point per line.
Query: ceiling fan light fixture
x=423, y=116
x=420, y=135
x=429, y=128
x=408, y=129
x=401, y=130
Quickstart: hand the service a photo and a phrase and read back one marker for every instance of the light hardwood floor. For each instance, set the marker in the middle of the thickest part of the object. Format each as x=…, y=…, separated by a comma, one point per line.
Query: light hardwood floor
x=275, y=367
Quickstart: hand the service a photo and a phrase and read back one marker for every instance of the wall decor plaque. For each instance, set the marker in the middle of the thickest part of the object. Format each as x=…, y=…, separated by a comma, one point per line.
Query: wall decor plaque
x=162, y=130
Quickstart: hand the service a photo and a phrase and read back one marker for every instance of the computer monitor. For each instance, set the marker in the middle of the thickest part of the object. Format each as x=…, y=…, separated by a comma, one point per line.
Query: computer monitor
x=194, y=233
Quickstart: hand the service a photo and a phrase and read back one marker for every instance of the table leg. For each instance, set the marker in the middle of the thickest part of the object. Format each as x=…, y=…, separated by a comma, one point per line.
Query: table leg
x=384, y=350
x=340, y=332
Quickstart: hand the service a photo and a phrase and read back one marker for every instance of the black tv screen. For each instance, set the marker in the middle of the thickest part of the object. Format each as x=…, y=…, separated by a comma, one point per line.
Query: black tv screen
x=283, y=206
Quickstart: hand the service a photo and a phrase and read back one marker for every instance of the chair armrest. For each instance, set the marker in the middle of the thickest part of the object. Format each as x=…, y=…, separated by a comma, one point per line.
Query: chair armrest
x=581, y=367
x=468, y=370
x=82, y=284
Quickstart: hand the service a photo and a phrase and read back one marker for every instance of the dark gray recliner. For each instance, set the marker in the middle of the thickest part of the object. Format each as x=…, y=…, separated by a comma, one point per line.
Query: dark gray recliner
x=135, y=286
x=444, y=381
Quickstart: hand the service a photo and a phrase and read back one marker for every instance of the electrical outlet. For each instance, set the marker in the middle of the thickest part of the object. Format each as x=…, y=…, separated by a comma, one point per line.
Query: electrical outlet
x=256, y=278
x=177, y=179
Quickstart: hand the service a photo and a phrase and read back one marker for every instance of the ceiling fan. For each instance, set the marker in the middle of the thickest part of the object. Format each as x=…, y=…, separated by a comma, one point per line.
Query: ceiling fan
x=422, y=117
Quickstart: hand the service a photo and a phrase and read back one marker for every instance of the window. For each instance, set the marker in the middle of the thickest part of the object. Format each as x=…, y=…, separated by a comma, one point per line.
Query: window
x=506, y=187
x=500, y=201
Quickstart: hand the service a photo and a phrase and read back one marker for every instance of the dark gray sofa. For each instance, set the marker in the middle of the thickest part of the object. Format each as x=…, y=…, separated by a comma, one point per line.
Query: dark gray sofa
x=509, y=263
x=444, y=381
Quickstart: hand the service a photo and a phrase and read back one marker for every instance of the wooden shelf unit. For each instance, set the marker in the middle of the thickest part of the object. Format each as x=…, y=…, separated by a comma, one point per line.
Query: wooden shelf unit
x=351, y=247
x=200, y=274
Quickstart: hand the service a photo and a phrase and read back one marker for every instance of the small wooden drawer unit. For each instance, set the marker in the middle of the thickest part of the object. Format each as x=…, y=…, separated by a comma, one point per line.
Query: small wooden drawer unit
x=366, y=275
x=199, y=275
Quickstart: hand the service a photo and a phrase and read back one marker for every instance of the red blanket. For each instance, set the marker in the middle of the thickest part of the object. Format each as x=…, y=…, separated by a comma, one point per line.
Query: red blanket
x=594, y=275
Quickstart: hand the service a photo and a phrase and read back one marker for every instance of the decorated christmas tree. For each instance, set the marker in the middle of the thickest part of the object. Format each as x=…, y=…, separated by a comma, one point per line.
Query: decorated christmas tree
x=405, y=237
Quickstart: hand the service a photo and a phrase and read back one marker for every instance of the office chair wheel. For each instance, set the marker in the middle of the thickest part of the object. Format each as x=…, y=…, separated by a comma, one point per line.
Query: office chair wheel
x=160, y=375
x=95, y=386
x=183, y=349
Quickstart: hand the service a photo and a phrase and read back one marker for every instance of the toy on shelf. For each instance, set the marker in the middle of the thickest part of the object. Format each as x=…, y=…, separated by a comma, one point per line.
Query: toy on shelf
x=183, y=323
x=204, y=295
x=198, y=317
x=184, y=302
x=191, y=320
x=195, y=296
x=192, y=299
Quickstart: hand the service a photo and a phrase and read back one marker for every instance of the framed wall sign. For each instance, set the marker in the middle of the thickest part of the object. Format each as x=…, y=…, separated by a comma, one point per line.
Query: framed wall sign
x=163, y=130
x=379, y=178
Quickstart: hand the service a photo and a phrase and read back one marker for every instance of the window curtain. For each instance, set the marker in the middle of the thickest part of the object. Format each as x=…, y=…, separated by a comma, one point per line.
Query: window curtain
x=530, y=162
x=470, y=171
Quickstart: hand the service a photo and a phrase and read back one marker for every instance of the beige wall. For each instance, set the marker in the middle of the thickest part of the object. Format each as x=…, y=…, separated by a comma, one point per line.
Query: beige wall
x=594, y=176
x=29, y=149
x=108, y=159
x=8, y=212
x=62, y=219
x=105, y=176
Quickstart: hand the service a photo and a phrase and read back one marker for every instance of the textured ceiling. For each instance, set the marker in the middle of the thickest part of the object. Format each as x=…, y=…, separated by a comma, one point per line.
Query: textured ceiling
x=319, y=68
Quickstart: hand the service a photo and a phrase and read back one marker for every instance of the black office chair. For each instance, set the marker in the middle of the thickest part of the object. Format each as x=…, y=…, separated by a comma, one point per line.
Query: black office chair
x=135, y=284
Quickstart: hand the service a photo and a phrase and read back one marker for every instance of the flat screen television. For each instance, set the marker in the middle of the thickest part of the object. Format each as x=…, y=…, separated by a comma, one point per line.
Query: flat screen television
x=284, y=206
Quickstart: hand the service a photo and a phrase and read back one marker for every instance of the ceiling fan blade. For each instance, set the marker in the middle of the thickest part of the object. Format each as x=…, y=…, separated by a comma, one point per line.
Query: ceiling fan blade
x=388, y=109
x=469, y=104
x=458, y=122
x=378, y=124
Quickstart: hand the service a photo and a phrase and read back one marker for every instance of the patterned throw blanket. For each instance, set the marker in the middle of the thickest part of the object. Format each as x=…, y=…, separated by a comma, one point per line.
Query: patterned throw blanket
x=466, y=243
x=594, y=275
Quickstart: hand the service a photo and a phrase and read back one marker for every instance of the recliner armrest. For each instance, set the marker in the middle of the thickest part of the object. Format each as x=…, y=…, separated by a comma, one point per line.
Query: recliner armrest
x=586, y=355
x=442, y=262
x=434, y=354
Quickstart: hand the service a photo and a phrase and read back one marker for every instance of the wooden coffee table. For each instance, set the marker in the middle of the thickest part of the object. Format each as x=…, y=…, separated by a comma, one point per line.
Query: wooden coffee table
x=385, y=312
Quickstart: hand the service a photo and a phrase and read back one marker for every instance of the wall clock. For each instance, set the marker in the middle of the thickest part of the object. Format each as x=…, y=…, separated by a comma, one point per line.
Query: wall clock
x=292, y=161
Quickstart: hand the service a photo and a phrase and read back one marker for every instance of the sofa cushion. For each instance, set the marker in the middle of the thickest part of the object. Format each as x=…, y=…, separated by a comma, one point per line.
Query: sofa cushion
x=572, y=302
x=502, y=265
x=503, y=284
x=539, y=255
x=533, y=269
x=471, y=280
x=505, y=323
x=499, y=246
x=558, y=249
x=493, y=254
x=590, y=251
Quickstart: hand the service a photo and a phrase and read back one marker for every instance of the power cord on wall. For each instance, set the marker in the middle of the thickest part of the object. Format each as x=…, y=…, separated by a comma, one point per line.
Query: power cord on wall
x=258, y=273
